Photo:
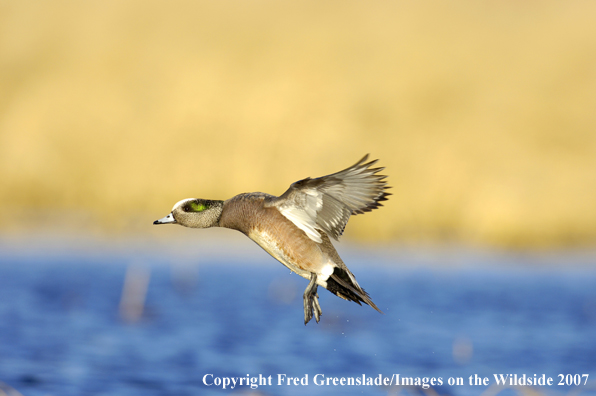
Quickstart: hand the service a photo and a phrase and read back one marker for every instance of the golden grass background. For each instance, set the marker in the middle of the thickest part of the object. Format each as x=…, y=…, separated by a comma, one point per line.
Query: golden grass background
x=484, y=113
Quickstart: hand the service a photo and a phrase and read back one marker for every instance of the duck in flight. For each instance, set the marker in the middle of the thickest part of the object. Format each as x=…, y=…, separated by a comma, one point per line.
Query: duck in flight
x=295, y=228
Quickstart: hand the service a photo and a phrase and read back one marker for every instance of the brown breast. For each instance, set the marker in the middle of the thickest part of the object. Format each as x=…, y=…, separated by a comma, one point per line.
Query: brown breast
x=272, y=231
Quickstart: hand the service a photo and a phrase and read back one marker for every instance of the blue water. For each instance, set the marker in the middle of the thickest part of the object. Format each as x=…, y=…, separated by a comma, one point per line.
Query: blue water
x=61, y=331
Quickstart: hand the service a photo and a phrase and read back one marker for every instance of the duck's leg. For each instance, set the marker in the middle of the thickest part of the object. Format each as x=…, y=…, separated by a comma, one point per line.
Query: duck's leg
x=311, y=301
x=318, y=311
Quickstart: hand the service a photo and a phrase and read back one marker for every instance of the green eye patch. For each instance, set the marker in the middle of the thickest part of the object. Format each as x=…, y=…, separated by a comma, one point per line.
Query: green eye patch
x=195, y=206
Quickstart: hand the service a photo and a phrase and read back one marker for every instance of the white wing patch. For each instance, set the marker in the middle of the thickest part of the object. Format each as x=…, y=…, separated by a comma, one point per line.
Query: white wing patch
x=304, y=214
x=302, y=220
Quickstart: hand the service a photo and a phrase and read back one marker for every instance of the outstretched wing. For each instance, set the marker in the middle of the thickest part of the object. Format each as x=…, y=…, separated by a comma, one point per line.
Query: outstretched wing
x=326, y=203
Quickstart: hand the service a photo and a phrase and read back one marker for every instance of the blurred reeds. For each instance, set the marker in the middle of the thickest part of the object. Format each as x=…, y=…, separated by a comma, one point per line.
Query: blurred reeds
x=484, y=113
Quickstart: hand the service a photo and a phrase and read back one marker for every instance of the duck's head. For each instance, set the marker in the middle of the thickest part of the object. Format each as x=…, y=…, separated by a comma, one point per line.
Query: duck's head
x=194, y=213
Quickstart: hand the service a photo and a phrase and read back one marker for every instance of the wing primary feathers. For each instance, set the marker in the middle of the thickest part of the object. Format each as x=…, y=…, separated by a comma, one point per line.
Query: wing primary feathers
x=326, y=203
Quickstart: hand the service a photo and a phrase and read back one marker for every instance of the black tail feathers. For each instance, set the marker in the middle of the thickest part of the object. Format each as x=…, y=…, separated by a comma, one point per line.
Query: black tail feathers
x=340, y=284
